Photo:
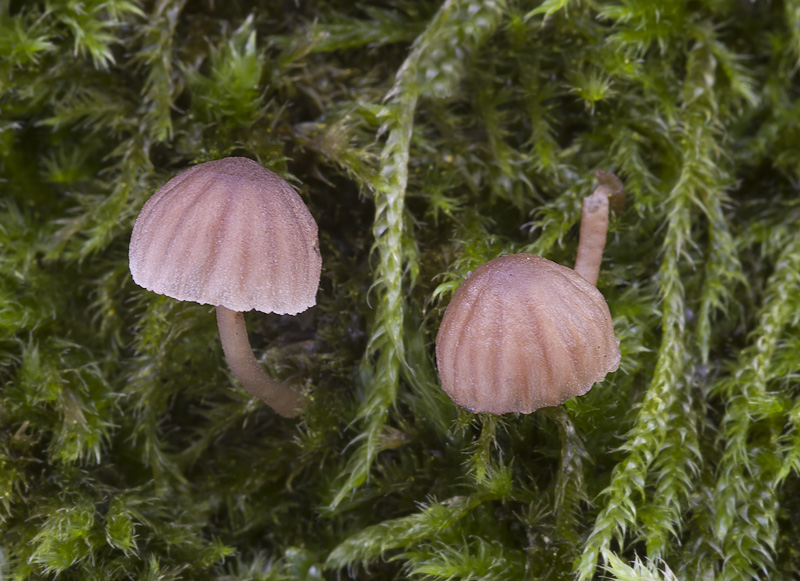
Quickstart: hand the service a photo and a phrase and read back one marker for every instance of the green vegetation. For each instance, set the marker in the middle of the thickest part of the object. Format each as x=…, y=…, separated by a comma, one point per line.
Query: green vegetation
x=426, y=138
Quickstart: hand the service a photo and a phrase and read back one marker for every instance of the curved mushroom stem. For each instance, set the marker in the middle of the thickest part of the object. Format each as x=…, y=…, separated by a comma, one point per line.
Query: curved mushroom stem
x=243, y=364
x=594, y=225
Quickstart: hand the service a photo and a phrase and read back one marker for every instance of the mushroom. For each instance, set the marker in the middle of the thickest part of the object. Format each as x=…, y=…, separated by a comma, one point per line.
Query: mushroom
x=232, y=234
x=522, y=332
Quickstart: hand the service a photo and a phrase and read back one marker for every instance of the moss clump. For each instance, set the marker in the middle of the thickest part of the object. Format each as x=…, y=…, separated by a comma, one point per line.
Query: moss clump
x=426, y=139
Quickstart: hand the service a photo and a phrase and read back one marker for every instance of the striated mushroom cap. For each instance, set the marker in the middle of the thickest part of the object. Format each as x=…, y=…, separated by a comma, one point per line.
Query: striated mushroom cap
x=522, y=333
x=228, y=232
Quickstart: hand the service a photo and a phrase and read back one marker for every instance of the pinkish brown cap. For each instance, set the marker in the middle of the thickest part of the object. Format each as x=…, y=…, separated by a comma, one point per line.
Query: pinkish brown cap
x=228, y=232
x=522, y=333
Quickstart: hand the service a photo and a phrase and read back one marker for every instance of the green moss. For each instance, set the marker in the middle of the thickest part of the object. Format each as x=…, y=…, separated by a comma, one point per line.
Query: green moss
x=426, y=139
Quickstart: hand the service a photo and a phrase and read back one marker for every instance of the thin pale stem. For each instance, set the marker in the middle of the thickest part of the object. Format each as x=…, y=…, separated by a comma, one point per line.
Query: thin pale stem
x=243, y=364
x=594, y=225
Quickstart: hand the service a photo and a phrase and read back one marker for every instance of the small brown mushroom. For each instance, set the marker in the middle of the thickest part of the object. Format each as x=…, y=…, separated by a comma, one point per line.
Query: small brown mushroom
x=232, y=234
x=523, y=332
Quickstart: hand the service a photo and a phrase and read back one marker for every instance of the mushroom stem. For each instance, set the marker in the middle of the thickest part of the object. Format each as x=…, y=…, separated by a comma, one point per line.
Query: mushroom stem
x=243, y=364
x=594, y=225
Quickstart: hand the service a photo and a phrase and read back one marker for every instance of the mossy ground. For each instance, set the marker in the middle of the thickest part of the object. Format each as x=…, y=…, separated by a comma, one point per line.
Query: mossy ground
x=426, y=138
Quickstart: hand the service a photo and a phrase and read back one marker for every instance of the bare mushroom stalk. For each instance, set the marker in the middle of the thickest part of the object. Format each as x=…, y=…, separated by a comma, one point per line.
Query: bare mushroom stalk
x=594, y=225
x=243, y=364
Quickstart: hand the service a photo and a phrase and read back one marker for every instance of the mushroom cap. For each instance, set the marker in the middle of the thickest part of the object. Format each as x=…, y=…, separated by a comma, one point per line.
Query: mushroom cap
x=522, y=333
x=228, y=232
